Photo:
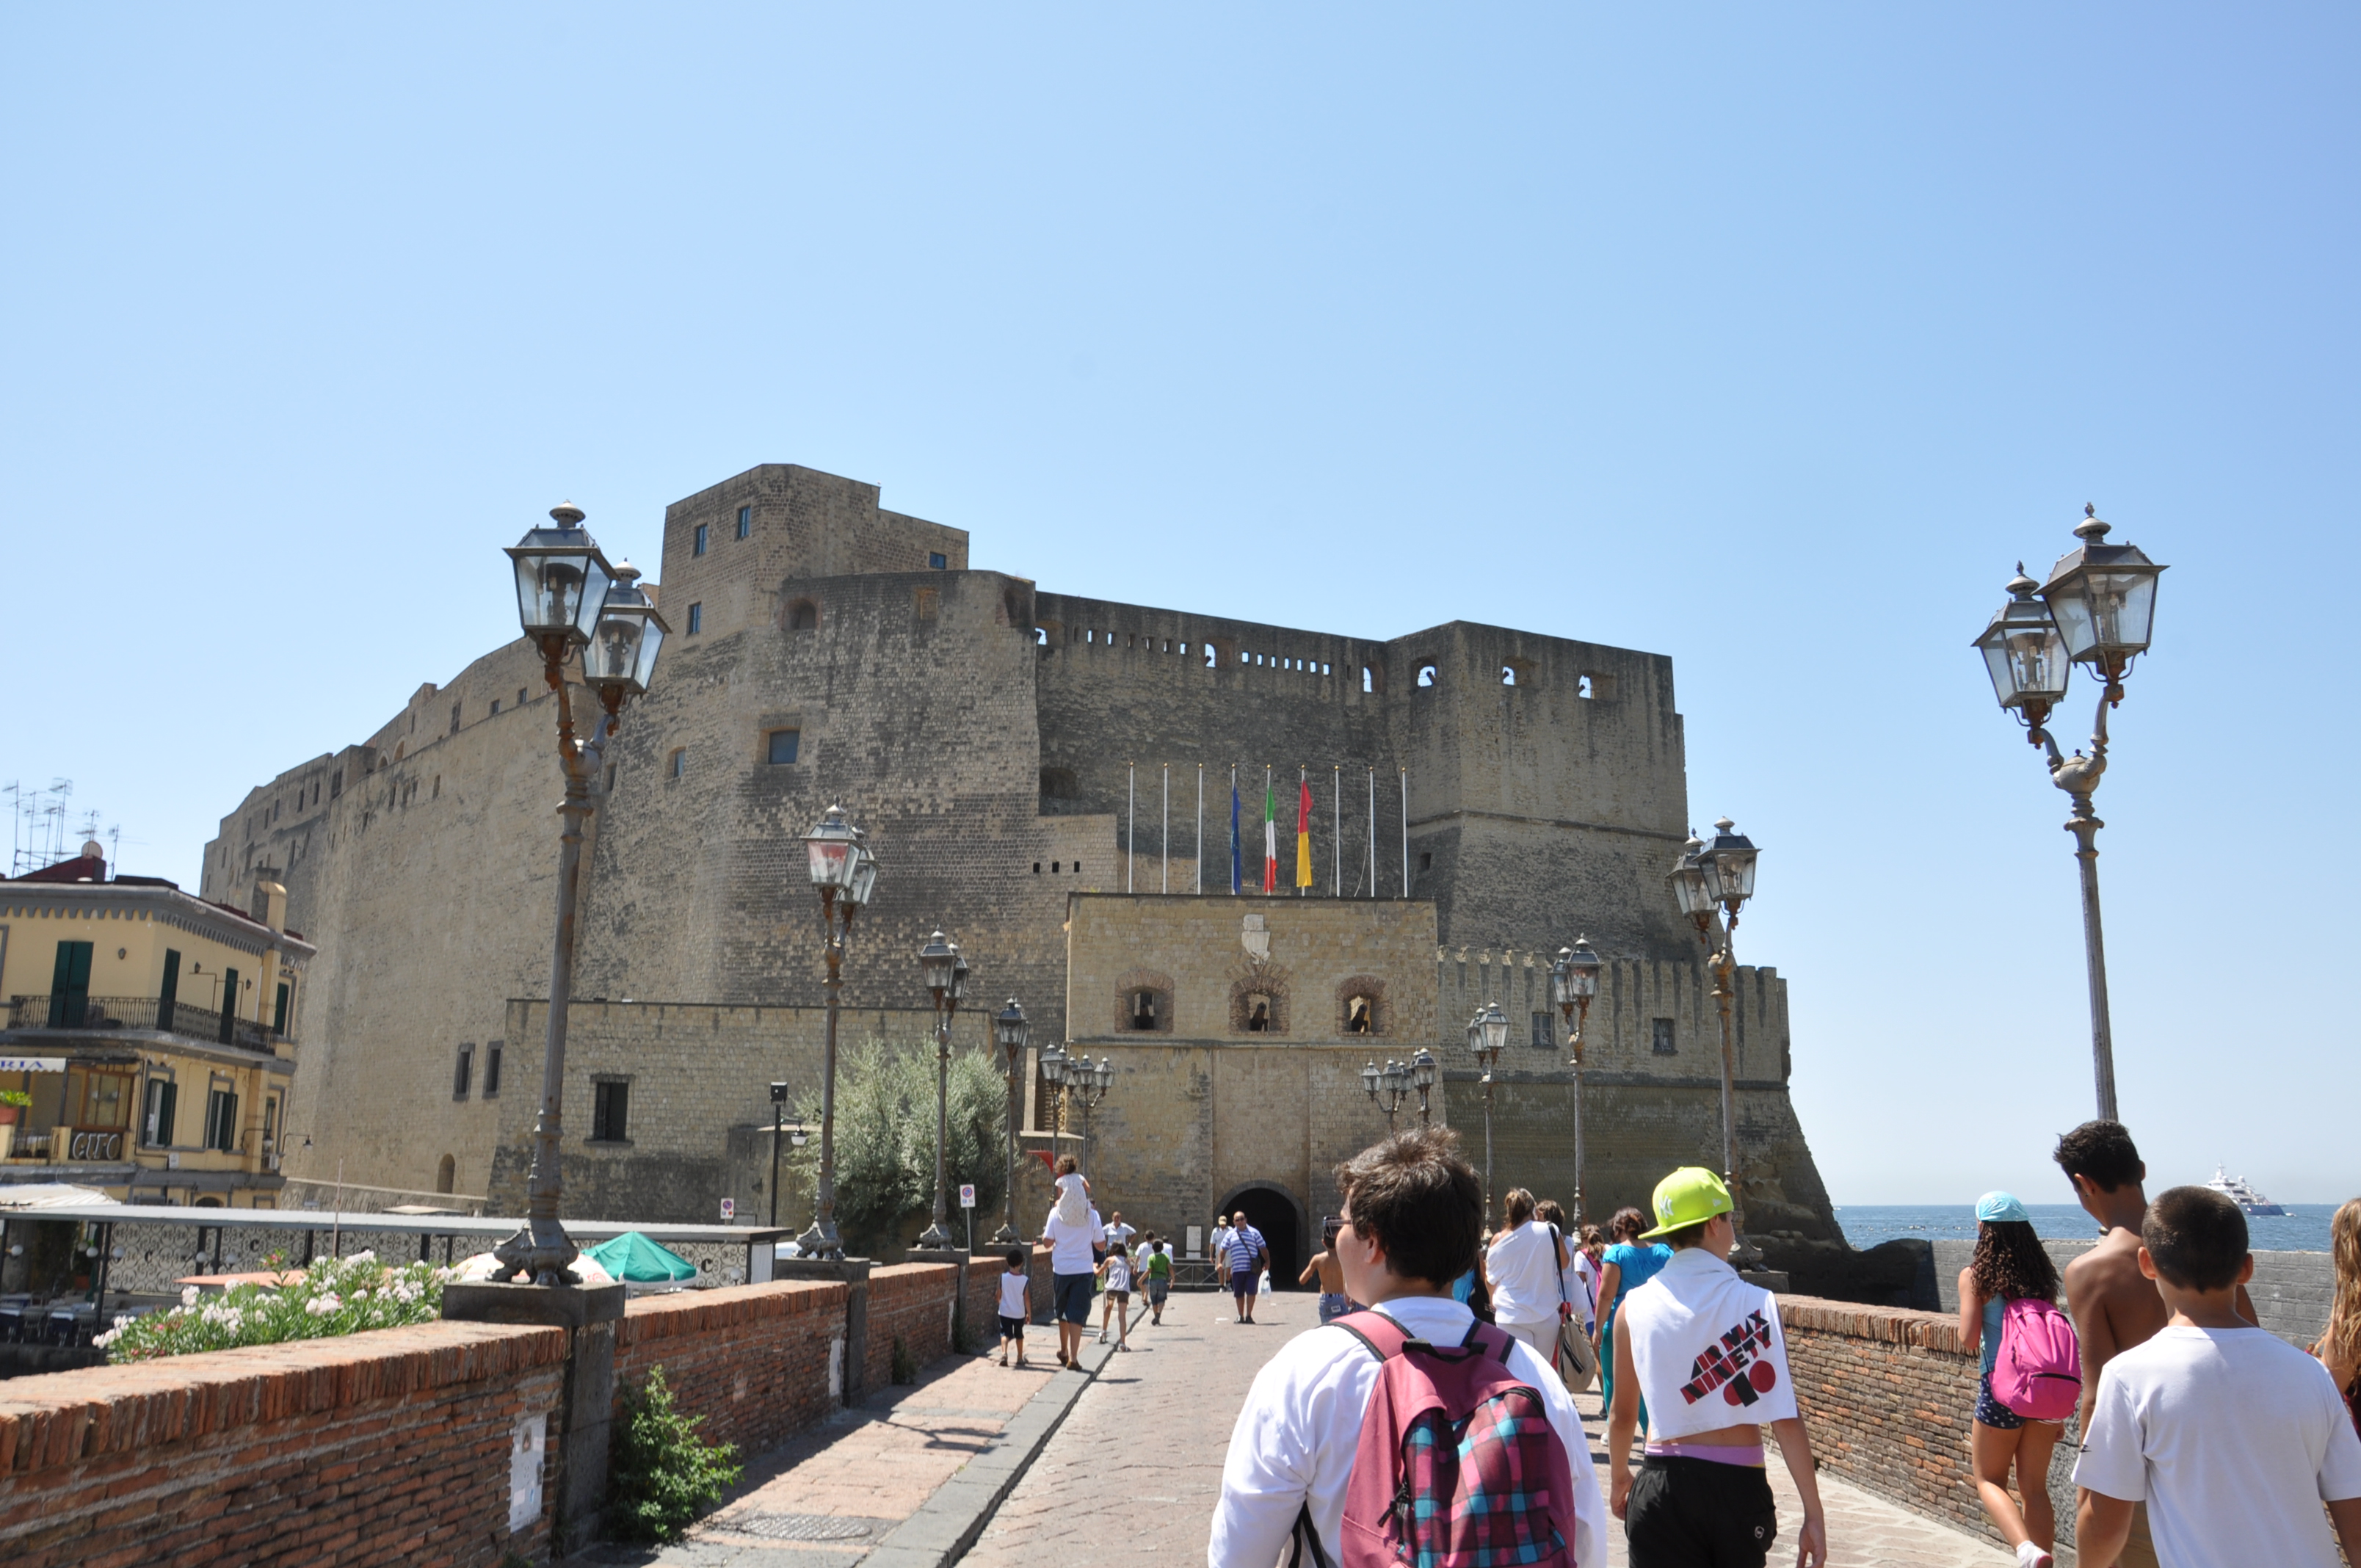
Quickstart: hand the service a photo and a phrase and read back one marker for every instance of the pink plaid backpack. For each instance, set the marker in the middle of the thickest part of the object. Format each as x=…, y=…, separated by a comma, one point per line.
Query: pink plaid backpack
x=2039, y=1372
x=1458, y=1465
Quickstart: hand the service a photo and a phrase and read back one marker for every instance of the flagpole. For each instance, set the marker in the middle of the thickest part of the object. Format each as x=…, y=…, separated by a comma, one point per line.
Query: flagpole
x=1405, y=797
x=1164, y=835
x=1337, y=854
x=1235, y=877
x=1200, y=829
x=1270, y=836
x=1130, y=818
x=1303, y=827
x=1373, y=831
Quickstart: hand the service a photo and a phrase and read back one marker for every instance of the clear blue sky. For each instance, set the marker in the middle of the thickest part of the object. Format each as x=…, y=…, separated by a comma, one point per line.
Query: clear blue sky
x=1770, y=341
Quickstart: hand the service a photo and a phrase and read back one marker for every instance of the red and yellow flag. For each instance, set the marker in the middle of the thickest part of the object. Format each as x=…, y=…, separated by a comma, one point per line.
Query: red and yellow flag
x=1303, y=834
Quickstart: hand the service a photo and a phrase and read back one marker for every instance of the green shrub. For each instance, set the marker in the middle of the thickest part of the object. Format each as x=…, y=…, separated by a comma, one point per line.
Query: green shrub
x=663, y=1475
x=885, y=1138
x=333, y=1296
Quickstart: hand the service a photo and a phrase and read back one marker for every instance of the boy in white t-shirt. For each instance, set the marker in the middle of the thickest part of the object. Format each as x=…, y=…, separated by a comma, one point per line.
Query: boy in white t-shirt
x=2233, y=1436
x=1016, y=1305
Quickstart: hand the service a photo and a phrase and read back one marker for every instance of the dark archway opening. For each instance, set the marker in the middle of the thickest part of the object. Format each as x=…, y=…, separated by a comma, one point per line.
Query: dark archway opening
x=1272, y=1212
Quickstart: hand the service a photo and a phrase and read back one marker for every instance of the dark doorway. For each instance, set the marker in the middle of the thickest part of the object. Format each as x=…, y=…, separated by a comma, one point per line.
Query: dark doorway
x=1273, y=1213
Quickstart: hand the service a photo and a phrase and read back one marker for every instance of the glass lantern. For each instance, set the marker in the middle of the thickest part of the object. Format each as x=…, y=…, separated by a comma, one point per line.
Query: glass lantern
x=2102, y=597
x=1396, y=1079
x=833, y=849
x=1423, y=1073
x=1053, y=1066
x=1103, y=1074
x=562, y=578
x=865, y=875
x=2023, y=654
x=1010, y=1028
x=959, y=977
x=623, y=649
x=1488, y=1032
x=935, y=961
x=1575, y=976
x=1688, y=877
x=1727, y=864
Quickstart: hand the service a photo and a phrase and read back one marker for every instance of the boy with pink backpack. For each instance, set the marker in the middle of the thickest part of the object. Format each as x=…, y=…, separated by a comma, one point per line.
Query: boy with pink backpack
x=1410, y=1431
x=2032, y=1373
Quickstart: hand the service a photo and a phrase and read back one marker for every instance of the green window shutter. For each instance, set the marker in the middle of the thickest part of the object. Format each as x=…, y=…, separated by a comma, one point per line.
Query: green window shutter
x=279, y=1013
x=168, y=994
x=229, y=1007
x=69, y=986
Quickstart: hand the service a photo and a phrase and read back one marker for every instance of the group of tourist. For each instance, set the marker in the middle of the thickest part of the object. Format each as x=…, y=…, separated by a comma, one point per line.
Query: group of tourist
x=1438, y=1426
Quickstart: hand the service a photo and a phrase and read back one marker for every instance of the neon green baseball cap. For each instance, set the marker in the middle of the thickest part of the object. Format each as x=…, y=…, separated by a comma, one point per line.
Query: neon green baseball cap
x=1690, y=1196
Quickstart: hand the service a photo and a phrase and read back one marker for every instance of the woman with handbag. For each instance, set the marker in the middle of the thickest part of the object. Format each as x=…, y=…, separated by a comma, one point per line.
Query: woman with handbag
x=1521, y=1267
x=1577, y=1363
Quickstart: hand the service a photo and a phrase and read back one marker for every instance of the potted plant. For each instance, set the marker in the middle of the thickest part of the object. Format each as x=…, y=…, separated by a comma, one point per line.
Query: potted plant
x=13, y=1103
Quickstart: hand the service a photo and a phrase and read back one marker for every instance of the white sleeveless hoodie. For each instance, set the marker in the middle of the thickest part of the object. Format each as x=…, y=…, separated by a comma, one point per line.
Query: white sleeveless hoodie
x=1707, y=1348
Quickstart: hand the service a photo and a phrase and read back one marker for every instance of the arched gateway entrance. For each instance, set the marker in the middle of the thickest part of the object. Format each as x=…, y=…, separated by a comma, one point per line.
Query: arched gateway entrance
x=1273, y=1210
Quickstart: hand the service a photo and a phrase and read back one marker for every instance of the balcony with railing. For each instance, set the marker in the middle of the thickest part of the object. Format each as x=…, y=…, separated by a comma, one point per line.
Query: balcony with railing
x=71, y=1010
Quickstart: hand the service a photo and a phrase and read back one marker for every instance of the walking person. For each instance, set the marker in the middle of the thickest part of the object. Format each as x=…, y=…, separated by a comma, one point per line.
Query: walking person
x=1577, y=1338
x=1073, y=1269
x=2339, y=1349
x=1115, y=1273
x=1623, y=1267
x=1329, y=1274
x=1016, y=1305
x=2010, y=1267
x=1698, y=1345
x=1158, y=1280
x=1521, y=1267
x=1249, y=1255
x=1118, y=1231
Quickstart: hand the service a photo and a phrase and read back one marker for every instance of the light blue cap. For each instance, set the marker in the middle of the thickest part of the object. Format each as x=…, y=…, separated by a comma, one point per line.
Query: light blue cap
x=1997, y=1205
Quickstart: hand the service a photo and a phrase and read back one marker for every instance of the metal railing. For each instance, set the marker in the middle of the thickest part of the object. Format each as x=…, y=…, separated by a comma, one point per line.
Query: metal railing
x=72, y=1011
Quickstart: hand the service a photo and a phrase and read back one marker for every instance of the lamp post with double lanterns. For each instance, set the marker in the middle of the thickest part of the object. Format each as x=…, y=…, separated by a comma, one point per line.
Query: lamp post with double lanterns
x=2097, y=609
x=1387, y=1088
x=1487, y=1034
x=844, y=870
x=1425, y=1073
x=946, y=972
x=1090, y=1081
x=1574, y=981
x=572, y=603
x=1010, y=1030
x=1712, y=880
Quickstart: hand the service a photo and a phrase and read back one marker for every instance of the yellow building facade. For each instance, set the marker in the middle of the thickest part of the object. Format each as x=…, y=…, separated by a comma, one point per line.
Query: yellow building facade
x=148, y=1050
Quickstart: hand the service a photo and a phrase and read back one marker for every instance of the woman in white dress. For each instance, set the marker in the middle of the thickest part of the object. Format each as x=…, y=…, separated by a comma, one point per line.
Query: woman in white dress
x=1522, y=1267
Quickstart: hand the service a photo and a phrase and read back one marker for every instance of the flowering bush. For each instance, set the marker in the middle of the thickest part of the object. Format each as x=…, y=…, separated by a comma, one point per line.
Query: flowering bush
x=334, y=1296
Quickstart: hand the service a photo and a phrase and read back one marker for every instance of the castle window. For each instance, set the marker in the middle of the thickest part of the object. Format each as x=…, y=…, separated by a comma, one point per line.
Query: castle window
x=455, y=726
x=745, y=522
x=1369, y=679
x=1145, y=1003
x=1037, y=867
x=930, y=600
x=1515, y=672
x=493, y=1070
x=610, y=1110
x=446, y=1174
x=1662, y=1042
x=1545, y=1032
x=1143, y=1011
x=1361, y=1007
x=695, y=618
x=1053, y=867
x=803, y=616
x=496, y=707
x=1212, y=657
x=1582, y=685
x=781, y=746
x=1426, y=860
x=336, y=783
x=697, y=546
x=938, y=561
x=1259, y=1006
x=461, y=1074
x=677, y=763
x=1428, y=675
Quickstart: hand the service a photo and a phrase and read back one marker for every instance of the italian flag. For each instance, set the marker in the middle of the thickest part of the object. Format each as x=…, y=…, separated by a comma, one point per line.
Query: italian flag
x=1303, y=834
x=1270, y=839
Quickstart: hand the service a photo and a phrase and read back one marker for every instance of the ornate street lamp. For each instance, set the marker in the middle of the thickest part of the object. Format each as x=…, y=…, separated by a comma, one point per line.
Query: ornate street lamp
x=844, y=870
x=1574, y=981
x=1009, y=1030
x=570, y=600
x=1425, y=1074
x=1090, y=1082
x=1711, y=881
x=1487, y=1033
x=2098, y=609
x=1056, y=1066
x=946, y=974
x=1387, y=1088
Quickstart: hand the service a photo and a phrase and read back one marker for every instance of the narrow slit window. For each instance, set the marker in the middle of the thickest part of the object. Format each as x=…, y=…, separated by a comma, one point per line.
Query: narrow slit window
x=745, y=522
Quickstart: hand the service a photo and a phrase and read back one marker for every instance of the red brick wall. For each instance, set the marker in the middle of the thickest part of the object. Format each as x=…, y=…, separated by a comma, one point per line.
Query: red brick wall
x=389, y=1447
x=911, y=1301
x=984, y=1272
x=1888, y=1397
x=752, y=1359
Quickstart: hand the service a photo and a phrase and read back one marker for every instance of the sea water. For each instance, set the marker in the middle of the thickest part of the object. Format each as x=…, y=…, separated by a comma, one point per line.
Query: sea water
x=2303, y=1228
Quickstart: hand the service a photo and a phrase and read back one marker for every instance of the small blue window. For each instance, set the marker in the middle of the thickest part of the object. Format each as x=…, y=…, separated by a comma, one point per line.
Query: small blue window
x=696, y=625
x=698, y=547
x=784, y=744
x=938, y=561
x=745, y=522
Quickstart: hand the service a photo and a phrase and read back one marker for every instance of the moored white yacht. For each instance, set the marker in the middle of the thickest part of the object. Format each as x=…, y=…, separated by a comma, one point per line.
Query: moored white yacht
x=2242, y=1193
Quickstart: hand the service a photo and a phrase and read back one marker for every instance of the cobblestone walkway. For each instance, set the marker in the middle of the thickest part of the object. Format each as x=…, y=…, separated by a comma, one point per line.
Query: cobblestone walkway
x=1138, y=1463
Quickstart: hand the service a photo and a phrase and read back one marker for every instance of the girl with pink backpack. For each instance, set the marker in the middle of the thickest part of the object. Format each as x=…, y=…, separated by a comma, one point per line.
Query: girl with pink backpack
x=2031, y=1373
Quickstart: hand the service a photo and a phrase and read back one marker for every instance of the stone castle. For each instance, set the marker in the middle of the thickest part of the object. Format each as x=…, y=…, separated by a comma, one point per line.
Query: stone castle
x=1483, y=794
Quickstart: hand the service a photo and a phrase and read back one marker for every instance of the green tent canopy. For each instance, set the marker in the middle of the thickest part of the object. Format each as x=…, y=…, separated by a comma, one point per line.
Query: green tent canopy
x=635, y=1260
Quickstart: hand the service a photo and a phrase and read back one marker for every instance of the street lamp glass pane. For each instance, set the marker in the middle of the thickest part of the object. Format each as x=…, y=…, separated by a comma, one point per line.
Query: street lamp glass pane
x=1423, y=1069
x=612, y=657
x=1369, y=1077
x=831, y=845
x=561, y=590
x=864, y=878
x=1396, y=1077
x=2102, y=612
x=934, y=961
x=1495, y=1027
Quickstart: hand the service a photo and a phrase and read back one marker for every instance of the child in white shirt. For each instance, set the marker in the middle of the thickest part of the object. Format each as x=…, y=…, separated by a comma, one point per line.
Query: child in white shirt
x=1073, y=1191
x=1016, y=1305
x=2233, y=1436
x=1115, y=1270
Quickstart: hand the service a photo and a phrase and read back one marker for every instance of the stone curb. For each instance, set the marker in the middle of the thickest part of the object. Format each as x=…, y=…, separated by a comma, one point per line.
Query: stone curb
x=948, y=1523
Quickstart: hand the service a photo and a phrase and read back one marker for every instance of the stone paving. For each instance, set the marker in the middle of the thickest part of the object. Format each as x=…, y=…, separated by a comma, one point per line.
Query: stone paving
x=1138, y=1462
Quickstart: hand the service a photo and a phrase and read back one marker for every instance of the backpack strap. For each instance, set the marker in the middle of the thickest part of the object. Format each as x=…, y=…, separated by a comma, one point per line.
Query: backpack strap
x=1380, y=1335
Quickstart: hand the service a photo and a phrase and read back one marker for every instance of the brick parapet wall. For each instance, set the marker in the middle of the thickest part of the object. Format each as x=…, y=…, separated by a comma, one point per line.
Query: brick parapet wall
x=911, y=1302
x=392, y=1445
x=752, y=1359
x=984, y=1272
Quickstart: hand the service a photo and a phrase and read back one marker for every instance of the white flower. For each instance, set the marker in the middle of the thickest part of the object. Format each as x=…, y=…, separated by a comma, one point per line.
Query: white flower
x=361, y=1258
x=188, y=1296
x=320, y=1306
x=108, y=1338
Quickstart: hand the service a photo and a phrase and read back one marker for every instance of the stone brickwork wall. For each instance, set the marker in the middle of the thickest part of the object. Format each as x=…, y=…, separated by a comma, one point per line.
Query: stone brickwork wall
x=980, y=730
x=911, y=1302
x=752, y=1360
x=392, y=1446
